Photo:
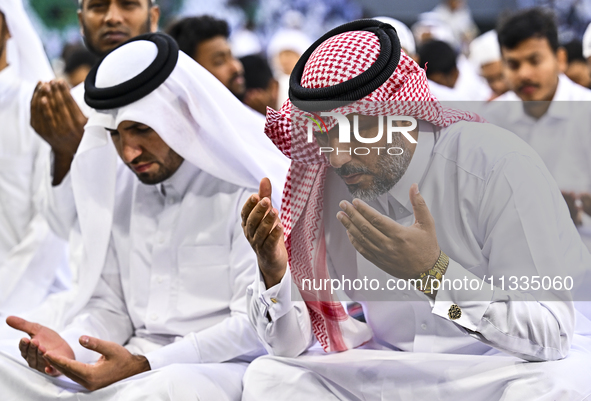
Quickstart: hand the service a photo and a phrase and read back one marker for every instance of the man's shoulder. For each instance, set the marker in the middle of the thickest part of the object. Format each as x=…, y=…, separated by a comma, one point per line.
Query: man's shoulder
x=574, y=91
x=212, y=186
x=478, y=147
x=77, y=93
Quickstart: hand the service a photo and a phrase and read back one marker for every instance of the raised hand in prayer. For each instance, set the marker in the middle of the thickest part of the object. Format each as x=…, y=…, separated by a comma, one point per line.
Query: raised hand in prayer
x=42, y=340
x=264, y=232
x=403, y=252
x=116, y=363
x=56, y=117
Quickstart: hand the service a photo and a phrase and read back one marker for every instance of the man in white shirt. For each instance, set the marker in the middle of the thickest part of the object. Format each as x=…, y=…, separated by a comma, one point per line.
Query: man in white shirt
x=168, y=246
x=488, y=213
x=544, y=107
x=485, y=54
x=438, y=60
x=32, y=258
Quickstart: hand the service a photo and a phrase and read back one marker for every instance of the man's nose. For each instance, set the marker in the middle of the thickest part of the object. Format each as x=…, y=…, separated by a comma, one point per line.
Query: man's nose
x=130, y=151
x=114, y=15
x=341, y=153
x=526, y=71
x=237, y=66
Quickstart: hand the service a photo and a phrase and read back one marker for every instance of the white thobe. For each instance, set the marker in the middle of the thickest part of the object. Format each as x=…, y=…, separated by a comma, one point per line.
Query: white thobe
x=470, y=84
x=173, y=287
x=57, y=205
x=497, y=212
x=444, y=93
x=32, y=258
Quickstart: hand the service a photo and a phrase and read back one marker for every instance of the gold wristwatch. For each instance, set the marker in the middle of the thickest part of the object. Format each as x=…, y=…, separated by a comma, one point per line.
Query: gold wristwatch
x=435, y=273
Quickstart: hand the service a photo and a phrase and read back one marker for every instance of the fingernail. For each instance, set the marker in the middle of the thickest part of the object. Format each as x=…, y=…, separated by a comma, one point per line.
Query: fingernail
x=340, y=215
x=84, y=339
x=265, y=202
x=343, y=205
x=272, y=213
x=417, y=189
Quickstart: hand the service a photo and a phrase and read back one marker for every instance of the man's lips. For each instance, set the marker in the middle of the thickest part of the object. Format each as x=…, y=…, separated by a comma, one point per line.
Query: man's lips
x=528, y=89
x=140, y=168
x=115, y=36
x=352, y=178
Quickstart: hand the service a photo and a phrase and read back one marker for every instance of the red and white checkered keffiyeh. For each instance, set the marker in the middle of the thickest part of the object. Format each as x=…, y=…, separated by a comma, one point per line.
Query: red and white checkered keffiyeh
x=406, y=93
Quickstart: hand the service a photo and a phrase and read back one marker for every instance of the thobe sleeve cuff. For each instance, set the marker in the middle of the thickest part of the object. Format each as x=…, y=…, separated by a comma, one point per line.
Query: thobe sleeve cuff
x=84, y=355
x=183, y=351
x=465, y=304
x=275, y=301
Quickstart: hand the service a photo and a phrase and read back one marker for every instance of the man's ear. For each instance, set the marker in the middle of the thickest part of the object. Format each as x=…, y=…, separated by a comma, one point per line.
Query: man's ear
x=562, y=58
x=80, y=23
x=154, y=18
x=5, y=32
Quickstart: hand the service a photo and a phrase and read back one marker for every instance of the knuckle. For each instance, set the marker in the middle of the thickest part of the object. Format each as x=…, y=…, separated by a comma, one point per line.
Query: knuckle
x=376, y=221
x=365, y=229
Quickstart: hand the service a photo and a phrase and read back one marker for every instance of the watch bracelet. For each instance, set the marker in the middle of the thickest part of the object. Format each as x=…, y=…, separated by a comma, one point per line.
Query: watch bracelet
x=437, y=271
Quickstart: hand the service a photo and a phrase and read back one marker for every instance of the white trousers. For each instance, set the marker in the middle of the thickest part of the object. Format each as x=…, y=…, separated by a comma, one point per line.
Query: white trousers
x=372, y=375
x=180, y=382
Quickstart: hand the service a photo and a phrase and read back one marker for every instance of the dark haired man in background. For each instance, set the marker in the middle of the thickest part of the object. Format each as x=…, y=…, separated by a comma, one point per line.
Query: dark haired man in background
x=262, y=89
x=546, y=109
x=577, y=68
x=439, y=61
x=205, y=39
x=104, y=25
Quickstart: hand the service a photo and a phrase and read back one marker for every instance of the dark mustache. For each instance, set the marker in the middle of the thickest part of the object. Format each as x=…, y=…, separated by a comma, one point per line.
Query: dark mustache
x=347, y=169
x=523, y=85
x=140, y=159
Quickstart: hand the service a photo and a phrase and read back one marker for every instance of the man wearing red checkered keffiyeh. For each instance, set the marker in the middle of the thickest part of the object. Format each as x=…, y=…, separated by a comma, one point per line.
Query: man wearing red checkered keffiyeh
x=483, y=195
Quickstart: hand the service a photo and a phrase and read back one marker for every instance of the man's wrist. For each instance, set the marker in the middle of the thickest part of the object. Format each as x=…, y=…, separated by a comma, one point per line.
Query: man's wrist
x=61, y=166
x=425, y=280
x=272, y=279
x=141, y=363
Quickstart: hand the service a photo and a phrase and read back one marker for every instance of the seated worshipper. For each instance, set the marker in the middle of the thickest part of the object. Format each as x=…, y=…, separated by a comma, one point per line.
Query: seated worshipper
x=407, y=40
x=457, y=15
x=32, y=259
x=284, y=50
x=439, y=61
x=430, y=268
x=205, y=39
x=261, y=87
x=78, y=61
x=164, y=235
x=544, y=107
x=469, y=83
x=485, y=54
x=59, y=115
x=577, y=69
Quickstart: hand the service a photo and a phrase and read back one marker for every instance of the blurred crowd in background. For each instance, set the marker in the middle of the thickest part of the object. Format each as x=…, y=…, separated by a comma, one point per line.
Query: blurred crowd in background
x=261, y=40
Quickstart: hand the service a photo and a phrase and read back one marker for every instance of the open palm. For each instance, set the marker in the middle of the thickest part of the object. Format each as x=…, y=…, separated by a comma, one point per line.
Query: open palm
x=43, y=340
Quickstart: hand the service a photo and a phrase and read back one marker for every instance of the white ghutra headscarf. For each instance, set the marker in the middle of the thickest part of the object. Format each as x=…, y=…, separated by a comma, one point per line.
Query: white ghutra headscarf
x=24, y=48
x=192, y=112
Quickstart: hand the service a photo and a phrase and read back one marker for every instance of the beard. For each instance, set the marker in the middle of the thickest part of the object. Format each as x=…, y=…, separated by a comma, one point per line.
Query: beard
x=389, y=170
x=167, y=168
